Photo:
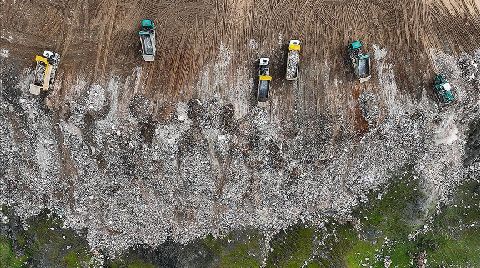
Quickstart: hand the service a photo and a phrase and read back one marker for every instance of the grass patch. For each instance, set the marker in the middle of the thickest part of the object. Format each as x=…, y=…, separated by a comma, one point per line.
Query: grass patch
x=454, y=236
x=385, y=222
x=45, y=243
x=8, y=258
x=460, y=251
x=238, y=249
x=394, y=213
x=51, y=244
x=292, y=248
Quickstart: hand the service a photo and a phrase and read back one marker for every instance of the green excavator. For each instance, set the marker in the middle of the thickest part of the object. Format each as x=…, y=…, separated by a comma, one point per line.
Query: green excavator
x=443, y=89
x=147, y=39
x=360, y=61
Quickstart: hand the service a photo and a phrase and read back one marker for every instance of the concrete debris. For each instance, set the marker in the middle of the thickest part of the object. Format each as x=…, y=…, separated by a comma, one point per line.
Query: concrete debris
x=4, y=53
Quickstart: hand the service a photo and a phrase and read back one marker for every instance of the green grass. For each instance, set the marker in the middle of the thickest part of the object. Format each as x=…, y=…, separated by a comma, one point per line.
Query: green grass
x=8, y=258
x=55, y=245
x=236, y=250
x=239, y=256
x=455, y=236
x=397, y=210
x=452, y=239
x=361, y=252
x=45, y=242
x=292, y=248
x=392, y=215
x=460, y=251
x=389, y=215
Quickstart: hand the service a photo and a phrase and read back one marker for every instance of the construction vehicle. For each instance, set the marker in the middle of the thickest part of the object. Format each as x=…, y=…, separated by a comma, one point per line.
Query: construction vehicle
x=147, y=39
x=360, y=62
x=293, y=60
x=443, y=89
x=264, y=79
x=45, y=70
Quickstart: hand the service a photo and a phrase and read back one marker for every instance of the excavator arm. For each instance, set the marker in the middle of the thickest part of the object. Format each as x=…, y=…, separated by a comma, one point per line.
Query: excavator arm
x=47, y=72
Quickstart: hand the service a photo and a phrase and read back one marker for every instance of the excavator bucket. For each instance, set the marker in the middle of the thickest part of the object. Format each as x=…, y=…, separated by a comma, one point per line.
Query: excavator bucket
x=46, y=77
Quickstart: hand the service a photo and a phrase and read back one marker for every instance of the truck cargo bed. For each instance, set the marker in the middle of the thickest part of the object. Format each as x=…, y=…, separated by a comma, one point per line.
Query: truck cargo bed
x=292, y=65
x=364, y=67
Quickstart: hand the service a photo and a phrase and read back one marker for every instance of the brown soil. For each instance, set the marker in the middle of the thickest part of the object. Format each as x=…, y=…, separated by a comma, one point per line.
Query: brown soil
x=98, y=39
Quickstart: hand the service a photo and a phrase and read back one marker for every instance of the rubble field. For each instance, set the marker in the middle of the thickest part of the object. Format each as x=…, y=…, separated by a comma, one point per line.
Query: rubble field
x=136, y=152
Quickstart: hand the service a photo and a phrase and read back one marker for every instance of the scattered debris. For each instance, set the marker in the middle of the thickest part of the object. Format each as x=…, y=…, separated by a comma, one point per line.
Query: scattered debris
x=213, y=161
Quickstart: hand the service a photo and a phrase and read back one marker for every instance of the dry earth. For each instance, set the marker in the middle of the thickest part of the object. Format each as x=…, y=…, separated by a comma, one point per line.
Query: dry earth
x=136, y=152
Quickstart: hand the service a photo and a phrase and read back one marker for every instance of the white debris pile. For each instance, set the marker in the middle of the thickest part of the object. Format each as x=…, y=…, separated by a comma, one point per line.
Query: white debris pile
x=106, y=165
x=4, y=53
x=447, y=132
x=369, y=105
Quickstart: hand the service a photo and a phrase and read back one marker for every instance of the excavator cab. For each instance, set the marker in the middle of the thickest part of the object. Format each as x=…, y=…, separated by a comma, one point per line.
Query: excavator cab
x=147, y=25
x=355, y=46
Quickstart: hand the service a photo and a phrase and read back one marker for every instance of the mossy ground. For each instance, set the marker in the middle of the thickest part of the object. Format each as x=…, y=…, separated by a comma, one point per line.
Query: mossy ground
x=238, y=249
x=293, y=248
x=384, y=231
x=8, y=258
x=45, y=243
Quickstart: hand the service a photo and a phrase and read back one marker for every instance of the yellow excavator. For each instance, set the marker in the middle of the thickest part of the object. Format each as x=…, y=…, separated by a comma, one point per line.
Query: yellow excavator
x=45, y=70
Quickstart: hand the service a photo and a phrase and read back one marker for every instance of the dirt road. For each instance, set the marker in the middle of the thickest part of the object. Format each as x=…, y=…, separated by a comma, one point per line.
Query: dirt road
x=139, y=151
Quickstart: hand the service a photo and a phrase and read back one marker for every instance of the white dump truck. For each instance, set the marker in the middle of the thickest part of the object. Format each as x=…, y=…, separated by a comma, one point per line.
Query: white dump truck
x=45, y=71
x=264, y=79
x=147, y=39
x=293, y=60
